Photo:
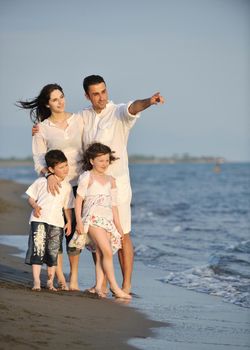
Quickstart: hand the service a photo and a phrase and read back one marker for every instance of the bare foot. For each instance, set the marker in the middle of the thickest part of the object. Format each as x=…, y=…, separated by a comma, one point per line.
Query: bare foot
x=50, y=286
x=119, y=293
x=127, y=289
x=73, y=285
x=91, y=290
x=100, y=293
x=63, y=286
x=74, y=289
x=36, y=288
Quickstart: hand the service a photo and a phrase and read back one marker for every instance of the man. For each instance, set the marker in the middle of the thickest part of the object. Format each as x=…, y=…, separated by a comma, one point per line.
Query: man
x=110, y=124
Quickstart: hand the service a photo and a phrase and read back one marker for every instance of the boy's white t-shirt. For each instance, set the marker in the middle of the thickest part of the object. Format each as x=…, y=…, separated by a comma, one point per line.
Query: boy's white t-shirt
x=52, y=206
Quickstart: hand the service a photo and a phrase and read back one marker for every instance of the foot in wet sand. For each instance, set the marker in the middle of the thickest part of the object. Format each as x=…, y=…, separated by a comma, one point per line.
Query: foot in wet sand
x=126, y=289
x=36, y=289
x=50, y=286
x=119, y=293
x=63, y=286
x=100, y=293
x=74, y=287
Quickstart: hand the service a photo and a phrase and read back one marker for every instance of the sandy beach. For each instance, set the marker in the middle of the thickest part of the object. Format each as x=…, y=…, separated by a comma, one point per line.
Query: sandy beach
x=162, y=317
x=39, y=320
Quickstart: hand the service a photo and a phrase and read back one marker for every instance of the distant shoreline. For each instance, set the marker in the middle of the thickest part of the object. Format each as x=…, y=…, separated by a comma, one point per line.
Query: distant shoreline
x=15, y=162
x=132, y=160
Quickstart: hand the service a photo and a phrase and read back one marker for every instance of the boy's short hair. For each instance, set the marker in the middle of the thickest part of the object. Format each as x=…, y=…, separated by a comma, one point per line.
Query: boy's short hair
x=54, y=157
x=92, y=80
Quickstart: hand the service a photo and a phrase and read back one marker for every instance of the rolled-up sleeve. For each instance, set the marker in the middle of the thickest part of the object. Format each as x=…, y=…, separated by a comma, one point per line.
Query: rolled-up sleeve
x=39, y=149
x=127, y=118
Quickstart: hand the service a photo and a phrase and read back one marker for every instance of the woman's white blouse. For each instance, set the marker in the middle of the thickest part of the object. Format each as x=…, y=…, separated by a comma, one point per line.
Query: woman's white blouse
x=69, y=141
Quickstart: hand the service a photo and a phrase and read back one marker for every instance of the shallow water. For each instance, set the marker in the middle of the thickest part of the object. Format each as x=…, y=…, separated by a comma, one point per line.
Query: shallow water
x=193, y=224
x=190, y=223
x=194, y=321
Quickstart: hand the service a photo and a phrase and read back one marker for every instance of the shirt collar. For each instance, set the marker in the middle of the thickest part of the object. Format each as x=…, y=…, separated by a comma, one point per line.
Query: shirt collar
x=49, y=122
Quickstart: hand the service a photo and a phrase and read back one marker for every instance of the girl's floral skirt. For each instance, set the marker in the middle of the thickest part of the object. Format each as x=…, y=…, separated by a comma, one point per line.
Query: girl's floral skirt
x=80, y=241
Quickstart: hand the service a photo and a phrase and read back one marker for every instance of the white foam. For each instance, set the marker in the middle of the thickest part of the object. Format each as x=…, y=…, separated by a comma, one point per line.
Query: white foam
x=204, y=279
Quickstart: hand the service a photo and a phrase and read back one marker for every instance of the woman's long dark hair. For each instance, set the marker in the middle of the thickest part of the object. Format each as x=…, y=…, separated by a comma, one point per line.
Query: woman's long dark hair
x=38, y=106
x=94, y=150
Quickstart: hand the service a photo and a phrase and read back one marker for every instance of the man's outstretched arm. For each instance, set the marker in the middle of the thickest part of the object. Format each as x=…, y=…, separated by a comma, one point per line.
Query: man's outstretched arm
x=139, y=105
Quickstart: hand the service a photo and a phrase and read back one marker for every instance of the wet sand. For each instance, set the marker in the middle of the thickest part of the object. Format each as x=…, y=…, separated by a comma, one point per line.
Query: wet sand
x=192, y=321
x=47, y=320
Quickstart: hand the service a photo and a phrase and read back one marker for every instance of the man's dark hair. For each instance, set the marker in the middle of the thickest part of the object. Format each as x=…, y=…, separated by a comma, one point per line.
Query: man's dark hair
x=54, y=157
x=92, y=80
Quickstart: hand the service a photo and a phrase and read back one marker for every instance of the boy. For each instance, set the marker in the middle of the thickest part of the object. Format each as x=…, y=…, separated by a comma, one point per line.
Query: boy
x=47, y=221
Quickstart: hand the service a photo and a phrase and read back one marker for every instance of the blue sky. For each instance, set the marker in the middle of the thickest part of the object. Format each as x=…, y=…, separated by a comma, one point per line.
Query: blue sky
x=195, y=52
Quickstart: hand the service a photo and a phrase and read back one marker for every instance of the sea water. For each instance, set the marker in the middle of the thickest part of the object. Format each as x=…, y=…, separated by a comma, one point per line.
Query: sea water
x=194, y=224
x=190, y=224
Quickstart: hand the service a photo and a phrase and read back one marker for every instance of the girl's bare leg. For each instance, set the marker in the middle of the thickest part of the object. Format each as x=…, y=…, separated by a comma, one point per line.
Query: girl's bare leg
x=101, y=239
x=99, y=273
x=104, y=283
x=36, y=271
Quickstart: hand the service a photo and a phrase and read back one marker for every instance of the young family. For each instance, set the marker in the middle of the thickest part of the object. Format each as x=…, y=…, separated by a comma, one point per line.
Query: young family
x=95, y=163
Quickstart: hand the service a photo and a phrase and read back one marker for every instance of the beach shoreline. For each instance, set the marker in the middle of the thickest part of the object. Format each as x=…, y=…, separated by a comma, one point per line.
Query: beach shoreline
x=161, y=316
x=63, y=319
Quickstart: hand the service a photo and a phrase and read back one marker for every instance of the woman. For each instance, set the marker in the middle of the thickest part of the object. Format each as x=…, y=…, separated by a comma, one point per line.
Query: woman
x=57, y=130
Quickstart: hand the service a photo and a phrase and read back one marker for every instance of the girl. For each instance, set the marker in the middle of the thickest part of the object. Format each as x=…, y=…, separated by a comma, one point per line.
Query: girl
x=99, y=217
x=61, y=130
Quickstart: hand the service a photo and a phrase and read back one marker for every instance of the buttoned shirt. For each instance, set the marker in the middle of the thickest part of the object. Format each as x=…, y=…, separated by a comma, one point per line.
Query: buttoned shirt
x=69, y=141
x=111, y=127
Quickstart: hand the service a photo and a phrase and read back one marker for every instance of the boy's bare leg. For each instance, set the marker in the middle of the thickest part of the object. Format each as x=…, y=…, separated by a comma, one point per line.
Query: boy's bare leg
x=51, y=270
x=74, y=263
x=126, y=259
x=36, y=271
x=59, y=273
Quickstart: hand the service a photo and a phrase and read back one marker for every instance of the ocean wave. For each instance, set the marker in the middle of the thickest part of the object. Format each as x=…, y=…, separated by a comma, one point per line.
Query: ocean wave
x=233, y=289
x=242, y=247
x=148, y=253
x=231, y=264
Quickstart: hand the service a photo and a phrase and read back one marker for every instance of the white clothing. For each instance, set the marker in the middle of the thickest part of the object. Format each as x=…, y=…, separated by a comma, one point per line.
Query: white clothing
x=68, y=141
x=52, y=206
x=97, y=210
x=111, y=127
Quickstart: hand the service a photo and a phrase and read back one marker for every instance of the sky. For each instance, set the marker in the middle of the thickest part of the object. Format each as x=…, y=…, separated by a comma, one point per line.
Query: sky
x=195, y=52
